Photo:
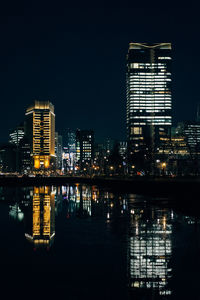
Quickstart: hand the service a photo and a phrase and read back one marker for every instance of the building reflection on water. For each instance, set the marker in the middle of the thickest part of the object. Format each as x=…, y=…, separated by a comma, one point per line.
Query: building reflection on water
x=149, y=251
x=40, y=228
x=80, y=200
x=146, y=229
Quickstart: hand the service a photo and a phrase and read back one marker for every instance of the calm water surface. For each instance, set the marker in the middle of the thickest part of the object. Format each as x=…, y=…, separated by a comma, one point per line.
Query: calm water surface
x=82, y=242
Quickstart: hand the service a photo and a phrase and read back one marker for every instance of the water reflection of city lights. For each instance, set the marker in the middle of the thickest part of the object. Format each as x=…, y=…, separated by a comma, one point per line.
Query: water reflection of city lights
x=150, y=250
x=42, y=229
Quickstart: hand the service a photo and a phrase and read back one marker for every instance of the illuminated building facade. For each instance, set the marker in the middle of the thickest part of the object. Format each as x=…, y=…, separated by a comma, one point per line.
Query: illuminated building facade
x=71, y=145
x=59, y=151
x=40, y=129
x=123, y=149
x=42, y=229
x=16, y=135
x=84, y=147
x=25, y=155
x=192, y=134
x=149, y=101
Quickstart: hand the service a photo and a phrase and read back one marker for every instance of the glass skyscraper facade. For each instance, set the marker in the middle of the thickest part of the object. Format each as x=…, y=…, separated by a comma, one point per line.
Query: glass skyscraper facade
x=16, y=135
x=149, y=101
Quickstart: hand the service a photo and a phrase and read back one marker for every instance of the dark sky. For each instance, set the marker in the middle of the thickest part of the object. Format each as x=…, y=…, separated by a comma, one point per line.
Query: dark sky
x=74, y=54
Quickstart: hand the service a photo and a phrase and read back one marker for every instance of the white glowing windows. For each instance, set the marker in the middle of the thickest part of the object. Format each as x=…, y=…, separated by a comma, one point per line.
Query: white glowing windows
x=164, y=57
x=134, y=66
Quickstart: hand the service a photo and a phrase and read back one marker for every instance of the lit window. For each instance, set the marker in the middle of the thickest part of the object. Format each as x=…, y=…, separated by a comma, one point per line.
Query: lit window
x=134, y=66
x=136, y=130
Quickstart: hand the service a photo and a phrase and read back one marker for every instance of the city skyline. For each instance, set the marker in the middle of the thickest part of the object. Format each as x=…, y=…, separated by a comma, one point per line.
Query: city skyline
x=48, y=52
x=99, y=149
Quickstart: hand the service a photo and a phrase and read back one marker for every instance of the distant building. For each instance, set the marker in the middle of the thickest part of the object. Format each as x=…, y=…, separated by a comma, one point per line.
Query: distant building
x=8, y=158
x=192, y=133
x=40, y=129
x=99, y=151
x=15, y=212
x=16, y=134
x=100, y=159
x=59, y=151
x=148, y=111
x=123, y=149
x=71, y=146
x=84, y=147
x=109, y=146
x=24, y=156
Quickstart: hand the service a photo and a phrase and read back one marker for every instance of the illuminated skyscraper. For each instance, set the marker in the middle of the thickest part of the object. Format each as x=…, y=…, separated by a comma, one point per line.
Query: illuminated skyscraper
x=58, y=151
x=148, y=94
x=40, y=129
x=71, y=146
x=84, y=147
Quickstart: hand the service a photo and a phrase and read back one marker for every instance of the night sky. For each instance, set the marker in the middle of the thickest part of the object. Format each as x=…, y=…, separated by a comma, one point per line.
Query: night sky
x=74, y=54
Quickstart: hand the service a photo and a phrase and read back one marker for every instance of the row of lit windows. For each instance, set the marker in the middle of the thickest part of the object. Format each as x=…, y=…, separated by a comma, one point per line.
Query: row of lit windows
x=149, y=98
x=142, y=107
x=149, y=77
x=152, y=117
x=147, y=84
x=155, y=78
x=149, y=102
x=138, y=65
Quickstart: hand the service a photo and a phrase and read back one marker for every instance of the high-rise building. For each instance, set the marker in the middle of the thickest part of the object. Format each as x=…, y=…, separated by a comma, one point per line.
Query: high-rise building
x=123, y=149
x=40, y=129
x=192, y=134
x=59, y=151
x=71, y=145
x=24, y=156
x=148, y=94
x=84, y=147
x=16, y=134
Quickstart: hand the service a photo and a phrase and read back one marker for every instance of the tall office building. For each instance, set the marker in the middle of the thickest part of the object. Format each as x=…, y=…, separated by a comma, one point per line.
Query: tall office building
x=71, y=145
x=40, y=129
x=191, y=131
x=16, y=134
x=24, y=156
x=148, y=94
x=84, y=147
x=59, y=151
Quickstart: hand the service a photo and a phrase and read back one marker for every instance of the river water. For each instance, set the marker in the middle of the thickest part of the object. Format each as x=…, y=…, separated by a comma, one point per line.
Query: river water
x=82, y=242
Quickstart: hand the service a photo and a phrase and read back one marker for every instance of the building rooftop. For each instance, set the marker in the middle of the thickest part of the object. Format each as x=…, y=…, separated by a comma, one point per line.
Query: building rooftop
x=150, y=46
x=40, y=105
